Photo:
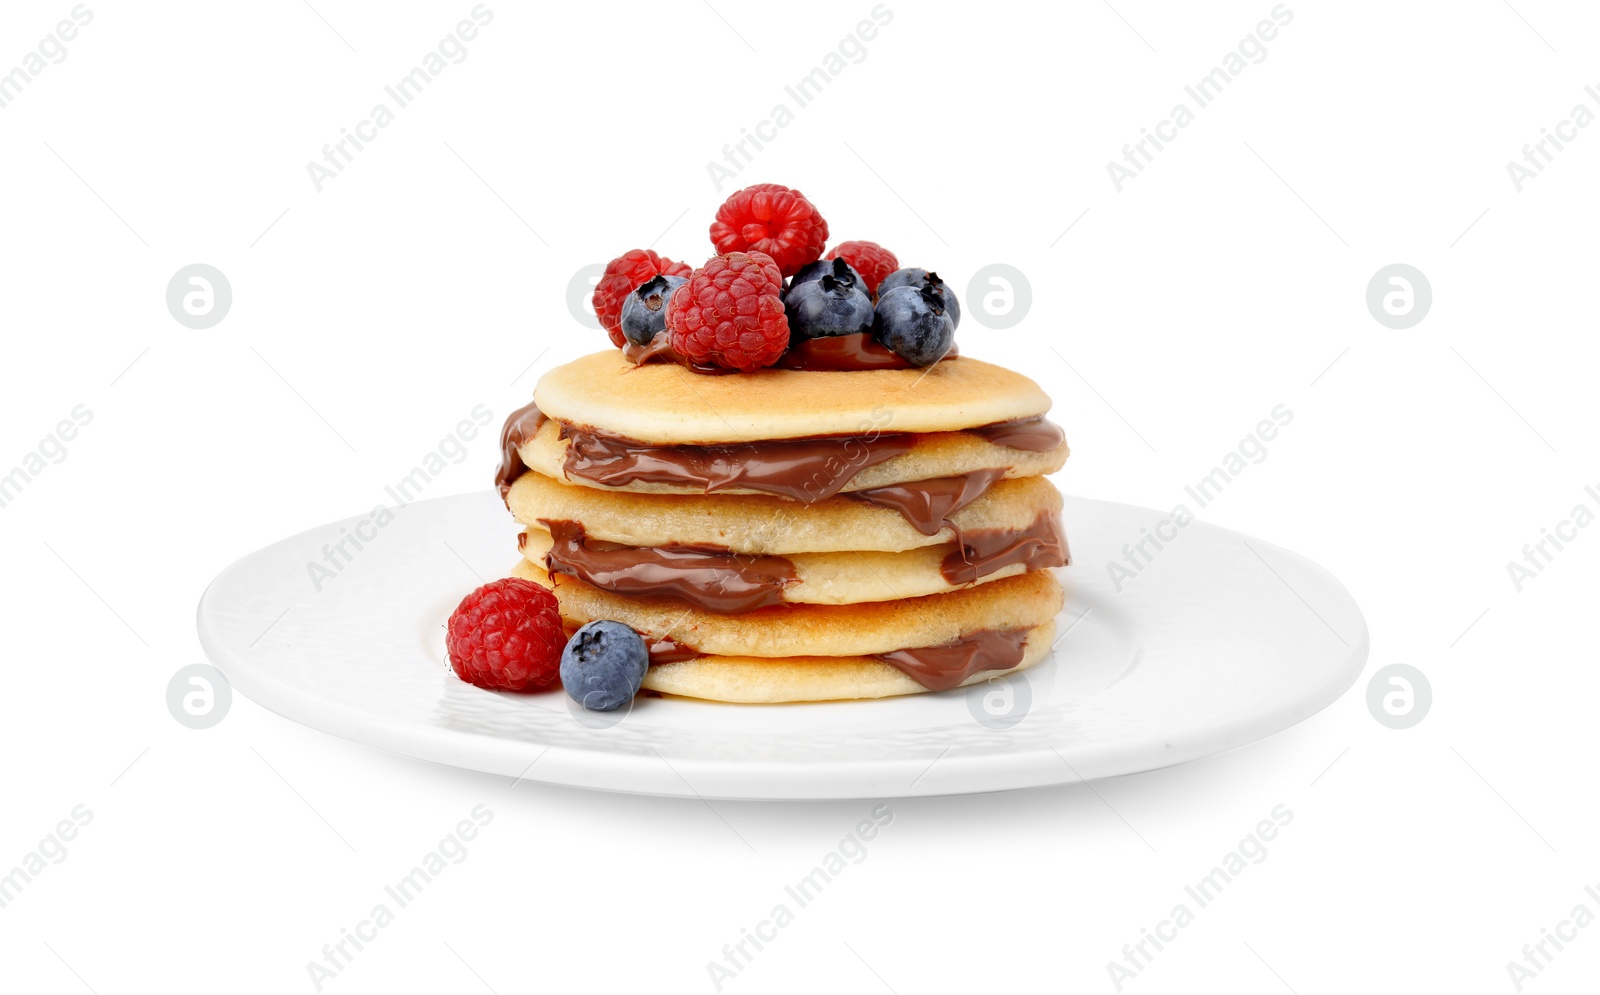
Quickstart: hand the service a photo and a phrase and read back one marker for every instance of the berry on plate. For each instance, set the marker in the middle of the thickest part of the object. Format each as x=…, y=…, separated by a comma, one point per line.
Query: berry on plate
x=623, y=275
x=870, y=259
x=912, y=276
x=730, y=313
x=772, y=219
x=914, y=323
x=832, y=304
x=603, y=665
x=506, y=636
x=644, y=312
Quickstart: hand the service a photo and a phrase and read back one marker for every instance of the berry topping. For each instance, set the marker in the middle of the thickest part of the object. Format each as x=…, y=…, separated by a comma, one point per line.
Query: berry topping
x=624, y=275
x=772, y=219
x=832, y=304
x=506, y=636
x=603, y=665
x=644, y=312
x=730, y=313
x=911, y=276
x=819, y=269
x=870, y=259
x=914, y=323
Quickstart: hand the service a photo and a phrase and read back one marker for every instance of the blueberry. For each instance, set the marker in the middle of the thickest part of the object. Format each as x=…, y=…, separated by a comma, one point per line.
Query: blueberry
x=603, y=665
x=914, y=323
x=836, y=268
x=644, y=312
x=911, y=276
x=828, y=305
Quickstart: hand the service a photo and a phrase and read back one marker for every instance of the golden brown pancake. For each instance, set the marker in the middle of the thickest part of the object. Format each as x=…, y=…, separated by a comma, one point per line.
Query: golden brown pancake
x=665, y=403
x=758, y=523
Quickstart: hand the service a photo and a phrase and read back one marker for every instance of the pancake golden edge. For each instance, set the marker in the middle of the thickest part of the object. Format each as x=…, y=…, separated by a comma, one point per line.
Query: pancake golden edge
x=1021, y=602
x=754, y=681
x=937, y=454
x=665, y=403
x=759, y=523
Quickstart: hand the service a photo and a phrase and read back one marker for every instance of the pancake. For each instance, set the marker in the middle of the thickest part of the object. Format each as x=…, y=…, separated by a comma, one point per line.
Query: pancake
x=759, y=524
x=752, y=680
x=732, y=582
x=665, y=403
x=1022, y=602
x=932, y=455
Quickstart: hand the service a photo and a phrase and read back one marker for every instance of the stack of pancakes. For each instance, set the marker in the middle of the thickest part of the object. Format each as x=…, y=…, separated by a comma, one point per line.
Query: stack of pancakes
x=795, y=535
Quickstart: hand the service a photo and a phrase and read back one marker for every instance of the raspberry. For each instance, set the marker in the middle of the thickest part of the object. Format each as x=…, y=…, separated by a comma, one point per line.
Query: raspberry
x=623, y=276
x=730, y=313
x=870, y=259
x=506, y=635
x=772, y=219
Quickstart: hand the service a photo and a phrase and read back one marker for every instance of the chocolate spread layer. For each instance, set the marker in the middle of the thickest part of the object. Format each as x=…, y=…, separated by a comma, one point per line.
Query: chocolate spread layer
x=802, y=469
x=521, y=425
x=928, y=504
x=940, y=668
x=1036, y=434
x=981, y=552
x=710, y=577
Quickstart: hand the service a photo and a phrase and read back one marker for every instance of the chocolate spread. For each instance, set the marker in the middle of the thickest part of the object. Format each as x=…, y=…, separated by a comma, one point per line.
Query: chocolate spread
x=711, y=577
x=928, y=504
x=983, y=551
x=521, y=425
x=1035, y=434
x=855, y=351
x=940, y=668
x=805, y=470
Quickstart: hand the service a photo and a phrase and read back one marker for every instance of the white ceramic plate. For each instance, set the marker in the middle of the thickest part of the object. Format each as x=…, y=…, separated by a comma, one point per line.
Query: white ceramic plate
x=1218, y=641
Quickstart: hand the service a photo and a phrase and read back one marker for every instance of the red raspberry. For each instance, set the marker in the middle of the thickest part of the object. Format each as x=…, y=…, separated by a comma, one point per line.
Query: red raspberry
x=772, y=219
x=870, y=259
x=507, y=635
x=623, y=276
x=730, y=313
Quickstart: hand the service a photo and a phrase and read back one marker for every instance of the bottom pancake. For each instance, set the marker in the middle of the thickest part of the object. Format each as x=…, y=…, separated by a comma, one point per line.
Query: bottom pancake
x=773, y=680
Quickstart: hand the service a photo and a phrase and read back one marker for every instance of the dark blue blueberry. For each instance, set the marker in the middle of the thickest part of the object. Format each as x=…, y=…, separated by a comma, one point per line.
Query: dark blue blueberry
x=829, y=305
x=644, y=312
x=603, y=665
x=914, y=323
x=836, y=268
x=912, y=276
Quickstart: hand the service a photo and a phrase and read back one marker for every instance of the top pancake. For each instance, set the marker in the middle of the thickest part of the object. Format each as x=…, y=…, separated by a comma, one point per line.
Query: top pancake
x=668, y=404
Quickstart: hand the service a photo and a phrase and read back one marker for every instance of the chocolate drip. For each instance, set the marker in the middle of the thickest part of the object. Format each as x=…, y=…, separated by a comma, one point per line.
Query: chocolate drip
x=940, y=668
x=981, y=552
x=928, y=504
x=802, y=469
x=521, y=425
x=1036, y=435
x=668, y=650
x=710, y=577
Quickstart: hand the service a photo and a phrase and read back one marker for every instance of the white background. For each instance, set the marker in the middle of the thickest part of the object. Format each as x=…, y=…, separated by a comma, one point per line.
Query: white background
x=424, y=280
